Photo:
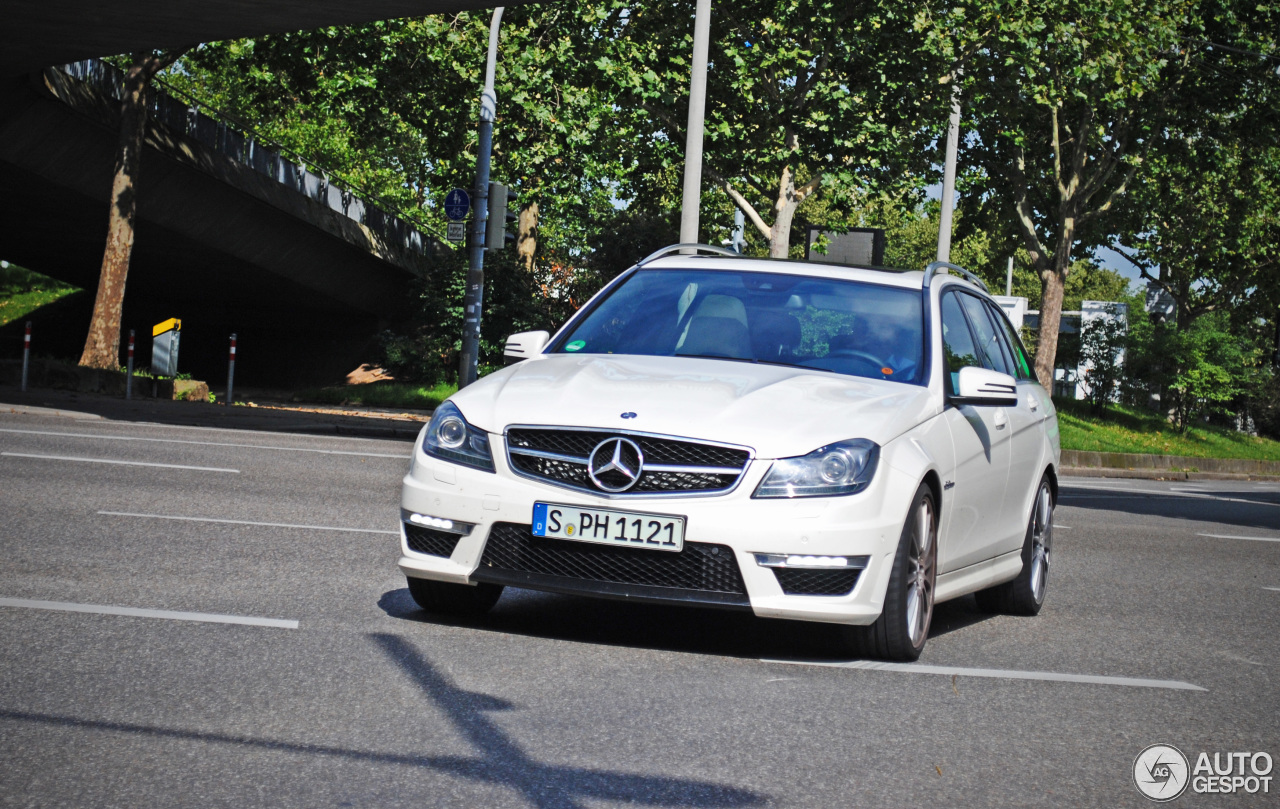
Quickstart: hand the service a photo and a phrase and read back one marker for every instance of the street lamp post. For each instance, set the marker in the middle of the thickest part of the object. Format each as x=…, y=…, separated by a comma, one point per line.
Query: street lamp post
x=949, y=172
x=473, y=297
x=692, y=198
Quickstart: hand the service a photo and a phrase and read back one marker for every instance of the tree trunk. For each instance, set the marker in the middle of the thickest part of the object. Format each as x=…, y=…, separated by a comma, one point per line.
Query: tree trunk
x=1051, y=289
x=784, y=212
x=527, y=235
x=102, y=346
x=1053, y=279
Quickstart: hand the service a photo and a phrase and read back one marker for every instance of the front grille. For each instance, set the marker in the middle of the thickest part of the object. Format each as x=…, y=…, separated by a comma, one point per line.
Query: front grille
x=698, y=567
x=670, y=465
x=430, y=541
x=801, y=582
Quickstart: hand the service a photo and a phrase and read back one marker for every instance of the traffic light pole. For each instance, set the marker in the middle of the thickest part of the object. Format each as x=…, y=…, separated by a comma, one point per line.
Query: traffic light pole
x=473, y=298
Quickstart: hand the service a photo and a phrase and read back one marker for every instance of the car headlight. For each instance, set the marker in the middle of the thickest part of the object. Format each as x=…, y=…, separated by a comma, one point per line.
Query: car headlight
x=449, y=437
x=845, y=467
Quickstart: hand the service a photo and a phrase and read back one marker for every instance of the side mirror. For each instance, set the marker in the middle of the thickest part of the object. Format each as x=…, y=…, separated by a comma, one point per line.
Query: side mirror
x=526, y=344
x=981, y=386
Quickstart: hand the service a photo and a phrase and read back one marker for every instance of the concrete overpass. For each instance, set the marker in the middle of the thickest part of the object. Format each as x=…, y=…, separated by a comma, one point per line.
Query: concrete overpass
x=232, y=236
x=38, y=33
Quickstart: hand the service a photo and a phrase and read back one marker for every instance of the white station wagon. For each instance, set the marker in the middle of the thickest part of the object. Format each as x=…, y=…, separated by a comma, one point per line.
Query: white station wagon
x=806, y=441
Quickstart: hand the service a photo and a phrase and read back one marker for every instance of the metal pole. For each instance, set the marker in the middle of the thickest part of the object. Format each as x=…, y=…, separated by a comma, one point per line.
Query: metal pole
x=128, y=374
x=473, y=297
x=26, y=355
x=1008, y=279
x=231, y=373
x=693, y=139
x=949, y=172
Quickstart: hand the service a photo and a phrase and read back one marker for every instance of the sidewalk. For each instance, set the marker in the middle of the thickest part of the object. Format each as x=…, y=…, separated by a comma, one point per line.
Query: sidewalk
x=293, y=417
x=274, y=416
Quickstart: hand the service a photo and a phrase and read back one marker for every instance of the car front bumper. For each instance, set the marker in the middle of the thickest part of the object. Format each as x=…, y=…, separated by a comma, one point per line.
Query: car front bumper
x=498, y=507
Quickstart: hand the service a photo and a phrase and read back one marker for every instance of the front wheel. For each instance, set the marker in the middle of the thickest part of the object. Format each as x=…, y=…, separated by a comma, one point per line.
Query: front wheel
x=1025, y=594
x=454, y=599
x=903, y=627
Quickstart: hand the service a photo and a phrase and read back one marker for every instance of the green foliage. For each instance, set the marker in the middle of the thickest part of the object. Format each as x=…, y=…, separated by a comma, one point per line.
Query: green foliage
x=1197, y=371
x=836, y=94
x=1102, y=342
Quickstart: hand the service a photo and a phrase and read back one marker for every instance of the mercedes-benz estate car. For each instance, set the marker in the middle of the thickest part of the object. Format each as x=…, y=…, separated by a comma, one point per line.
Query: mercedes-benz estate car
x=806, y=441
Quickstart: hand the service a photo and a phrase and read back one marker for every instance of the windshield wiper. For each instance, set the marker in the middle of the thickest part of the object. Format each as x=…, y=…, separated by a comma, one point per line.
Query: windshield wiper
x=751, y=360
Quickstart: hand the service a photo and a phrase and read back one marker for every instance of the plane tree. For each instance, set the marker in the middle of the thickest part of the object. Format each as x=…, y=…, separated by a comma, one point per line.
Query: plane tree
x=1062, y=103
x=102, y=345
x=801, y=98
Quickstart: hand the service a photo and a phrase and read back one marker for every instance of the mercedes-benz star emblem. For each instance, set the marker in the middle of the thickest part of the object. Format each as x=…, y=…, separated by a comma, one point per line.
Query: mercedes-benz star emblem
x=615, y=464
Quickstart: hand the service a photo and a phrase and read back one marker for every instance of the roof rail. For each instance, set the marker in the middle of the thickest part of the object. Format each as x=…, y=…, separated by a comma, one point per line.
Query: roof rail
x=690, y=246
x=945, y=267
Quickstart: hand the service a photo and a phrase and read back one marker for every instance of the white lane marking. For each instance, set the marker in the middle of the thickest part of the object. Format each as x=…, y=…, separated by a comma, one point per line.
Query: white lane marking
x=119, y=463
x=1055, y=525
x=1276, y=589
x=133, y=612
x=246, y=522
x=1238, y=536
x=205, y=443
x=999, y=674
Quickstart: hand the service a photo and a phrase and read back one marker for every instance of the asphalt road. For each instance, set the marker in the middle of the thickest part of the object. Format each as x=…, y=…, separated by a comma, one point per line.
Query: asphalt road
x=280, y=661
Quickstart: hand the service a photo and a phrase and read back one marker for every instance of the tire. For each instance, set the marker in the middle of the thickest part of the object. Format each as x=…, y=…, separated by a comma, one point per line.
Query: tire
x=454, y=599
x=902, y=629
x=1025, y=594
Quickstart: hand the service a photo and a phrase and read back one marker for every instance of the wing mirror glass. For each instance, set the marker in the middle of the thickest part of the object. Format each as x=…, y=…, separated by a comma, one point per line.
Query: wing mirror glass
x=526, y=344
x=982, y=386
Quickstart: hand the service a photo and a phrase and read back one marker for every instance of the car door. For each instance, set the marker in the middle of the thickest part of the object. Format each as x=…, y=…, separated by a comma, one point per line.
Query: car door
x=1026, y=420
x=1029, y=440
x=974, y=492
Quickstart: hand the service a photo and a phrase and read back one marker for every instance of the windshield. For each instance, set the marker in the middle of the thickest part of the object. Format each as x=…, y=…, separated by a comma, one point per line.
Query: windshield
x=847, y=327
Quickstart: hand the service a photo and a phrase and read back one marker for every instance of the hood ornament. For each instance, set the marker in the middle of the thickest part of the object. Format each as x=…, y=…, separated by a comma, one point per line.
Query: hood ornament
x=615, y=464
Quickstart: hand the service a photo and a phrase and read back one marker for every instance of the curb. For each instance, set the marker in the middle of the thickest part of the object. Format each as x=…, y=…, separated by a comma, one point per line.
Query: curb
x=1157, y=474
x=1168, y=464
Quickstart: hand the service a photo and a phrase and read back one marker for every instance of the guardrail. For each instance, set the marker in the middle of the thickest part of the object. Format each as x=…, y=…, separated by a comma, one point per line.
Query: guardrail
x=226, y=136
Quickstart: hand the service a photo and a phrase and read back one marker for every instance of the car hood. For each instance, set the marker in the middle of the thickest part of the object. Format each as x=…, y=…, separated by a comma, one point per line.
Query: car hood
x=778, y=411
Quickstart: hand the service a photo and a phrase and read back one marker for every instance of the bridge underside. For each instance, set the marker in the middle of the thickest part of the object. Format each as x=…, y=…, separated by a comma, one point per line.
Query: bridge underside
x=37, y=34
x=217, y=245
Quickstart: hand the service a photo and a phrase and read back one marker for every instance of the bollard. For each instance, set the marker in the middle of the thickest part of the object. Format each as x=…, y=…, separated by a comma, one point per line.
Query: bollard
x=26, y=355
x=231, y=371
x=128, y=376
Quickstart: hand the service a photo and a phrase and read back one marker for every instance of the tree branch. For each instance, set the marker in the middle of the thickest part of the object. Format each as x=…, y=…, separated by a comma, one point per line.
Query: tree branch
x=808, y=188
x=741, y=202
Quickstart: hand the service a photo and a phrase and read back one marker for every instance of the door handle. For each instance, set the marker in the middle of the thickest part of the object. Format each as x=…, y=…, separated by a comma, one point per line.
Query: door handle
x=1000, y=418
x=1033, y=402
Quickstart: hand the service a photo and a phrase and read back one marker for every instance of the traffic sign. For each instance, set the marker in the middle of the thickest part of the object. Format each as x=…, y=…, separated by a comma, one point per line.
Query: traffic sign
x=457, y=232
x=457, y=204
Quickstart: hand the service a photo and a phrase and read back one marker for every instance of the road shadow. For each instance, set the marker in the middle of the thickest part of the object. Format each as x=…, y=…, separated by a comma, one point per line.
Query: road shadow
x=691, y=630
x=500, y=760
x=1239, y=505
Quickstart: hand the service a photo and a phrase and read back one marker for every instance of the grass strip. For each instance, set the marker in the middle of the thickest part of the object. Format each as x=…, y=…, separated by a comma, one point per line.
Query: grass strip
x=399, y=395
x=1120, y=429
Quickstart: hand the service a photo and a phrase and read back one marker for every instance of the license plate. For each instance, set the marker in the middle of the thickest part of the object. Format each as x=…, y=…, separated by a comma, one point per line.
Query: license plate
x=658, y=532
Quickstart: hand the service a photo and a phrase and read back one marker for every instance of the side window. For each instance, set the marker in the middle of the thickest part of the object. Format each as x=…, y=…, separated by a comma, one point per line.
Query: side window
x=993, y=356
x=1013, y=345
x=957, y=340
